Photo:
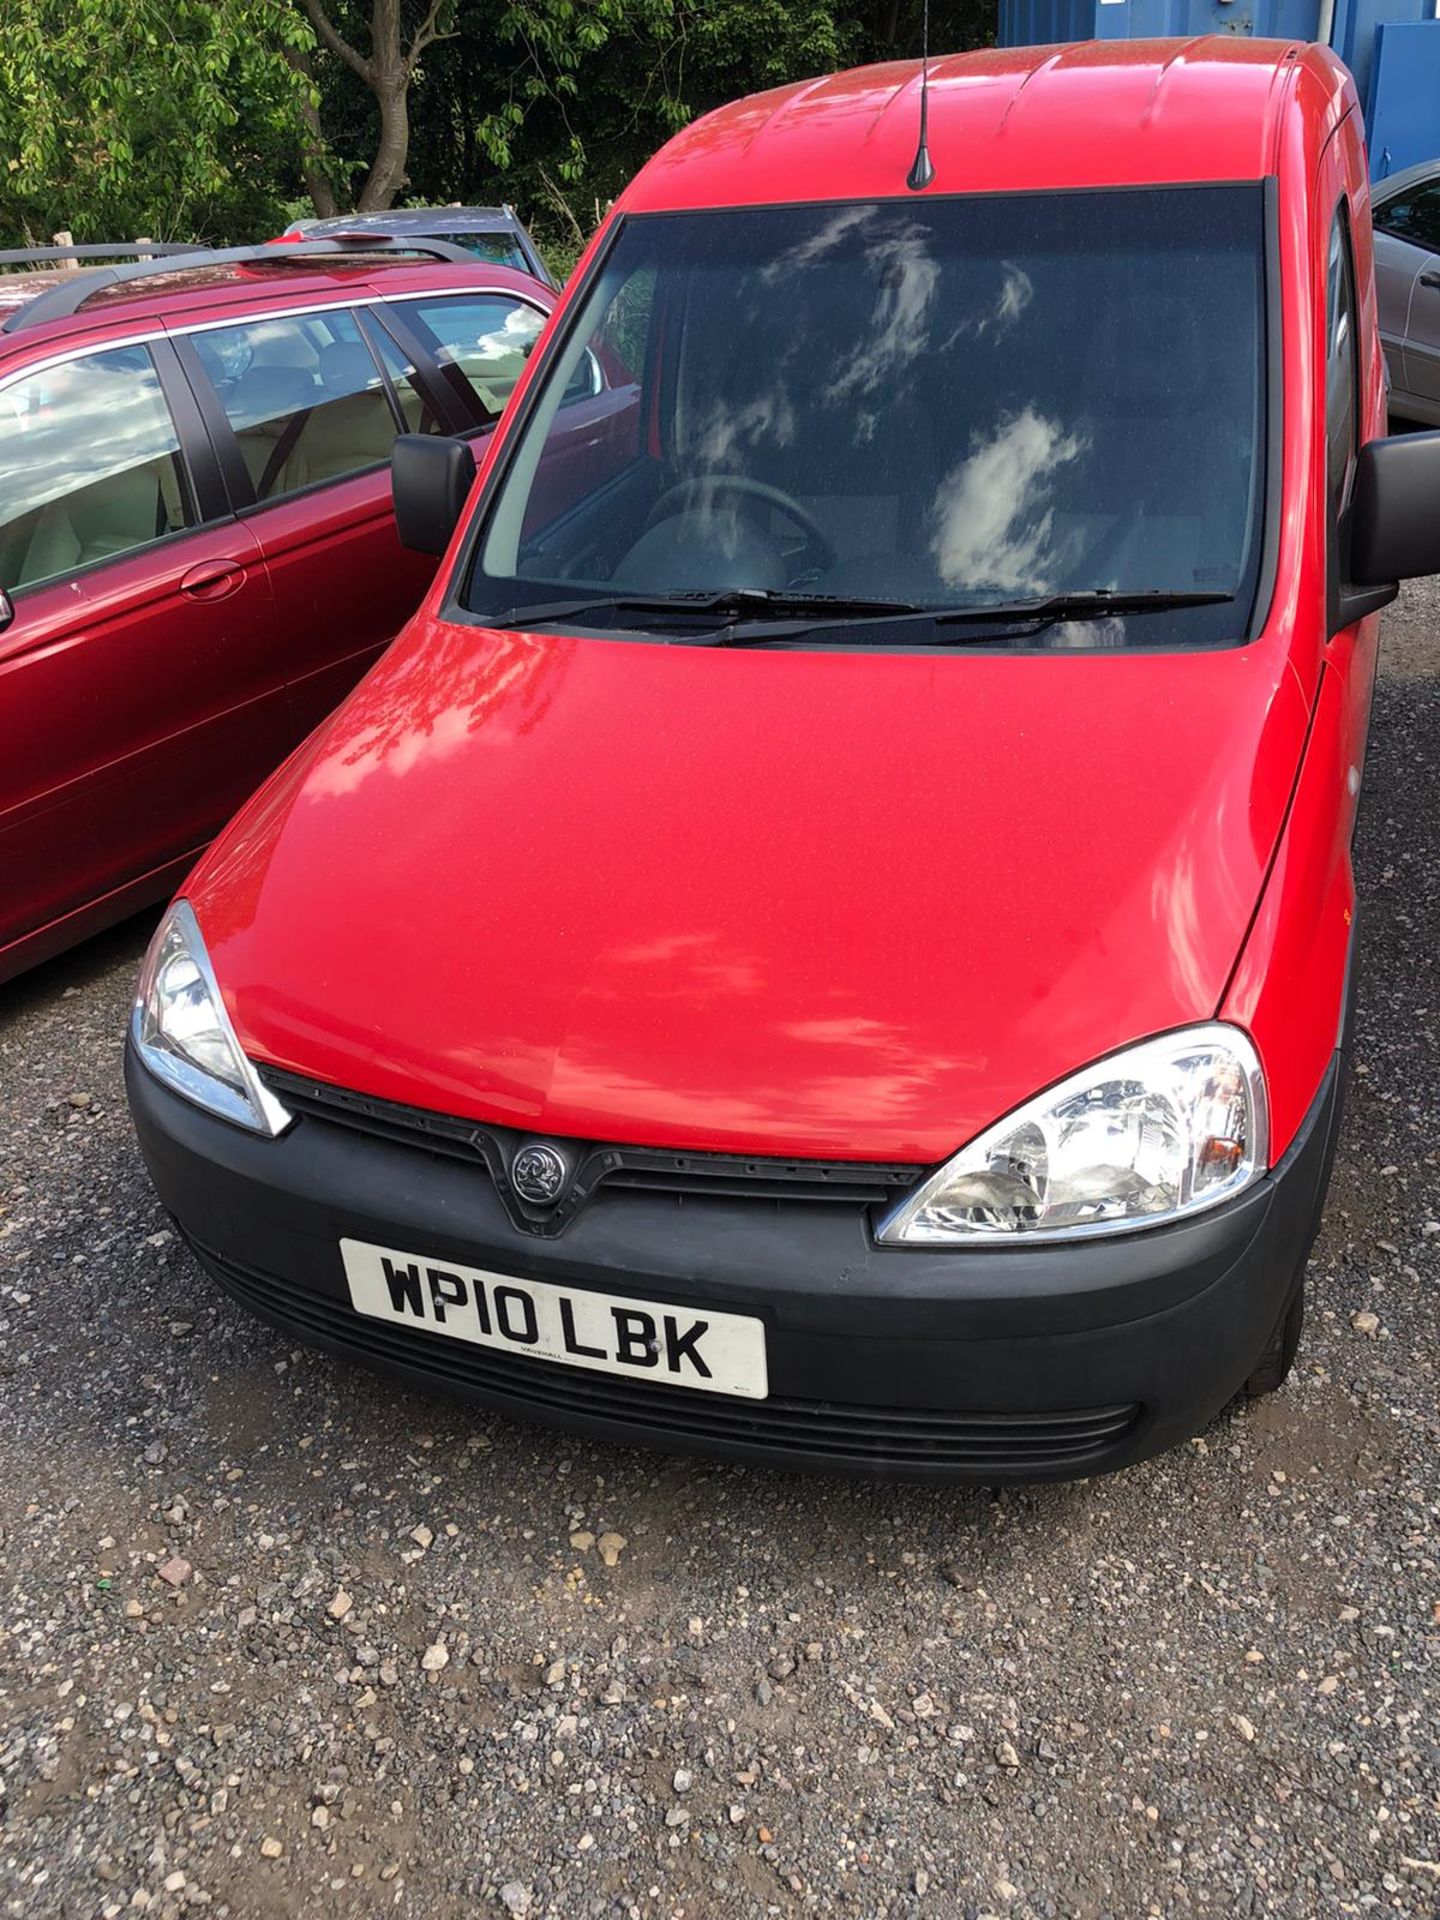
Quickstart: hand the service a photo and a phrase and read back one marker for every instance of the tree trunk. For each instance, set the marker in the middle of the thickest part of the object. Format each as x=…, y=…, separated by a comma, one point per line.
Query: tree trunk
x=387, y=72
x=387, y=176
x=390, y=82
x=322, y=194
x=312, y=155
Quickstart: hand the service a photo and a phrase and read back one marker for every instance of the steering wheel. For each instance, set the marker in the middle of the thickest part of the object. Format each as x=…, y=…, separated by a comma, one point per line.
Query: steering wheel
x=685, y=493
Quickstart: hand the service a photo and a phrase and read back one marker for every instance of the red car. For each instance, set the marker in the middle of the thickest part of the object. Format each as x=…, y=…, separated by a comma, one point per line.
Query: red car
x=829, y=939
x=197, y=551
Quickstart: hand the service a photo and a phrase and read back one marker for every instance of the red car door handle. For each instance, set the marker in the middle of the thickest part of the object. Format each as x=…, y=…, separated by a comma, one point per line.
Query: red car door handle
x=213, y=579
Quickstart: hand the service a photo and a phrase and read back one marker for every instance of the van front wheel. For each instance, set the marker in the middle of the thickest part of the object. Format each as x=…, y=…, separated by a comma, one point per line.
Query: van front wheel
x=1274, y=1364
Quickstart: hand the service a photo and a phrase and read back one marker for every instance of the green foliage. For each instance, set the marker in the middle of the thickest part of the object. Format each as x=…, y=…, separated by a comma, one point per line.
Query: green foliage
x=170, y=118
x=196, y=118
x=553, y=104
x=554, y=41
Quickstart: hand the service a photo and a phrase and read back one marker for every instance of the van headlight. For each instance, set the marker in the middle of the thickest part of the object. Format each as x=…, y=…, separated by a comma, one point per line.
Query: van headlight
x=183, y=1033
x=1161, y=1130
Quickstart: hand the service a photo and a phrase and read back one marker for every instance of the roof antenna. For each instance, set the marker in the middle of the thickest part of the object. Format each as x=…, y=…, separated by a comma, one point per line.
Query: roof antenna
x=922, y=168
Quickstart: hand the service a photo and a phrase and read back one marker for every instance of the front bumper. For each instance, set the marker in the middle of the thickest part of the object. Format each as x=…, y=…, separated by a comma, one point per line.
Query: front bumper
x=1006, y=1363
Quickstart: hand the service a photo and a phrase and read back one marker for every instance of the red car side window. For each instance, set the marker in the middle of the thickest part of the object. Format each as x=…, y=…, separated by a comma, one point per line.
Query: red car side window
x=303, y=393
x=90, y=466
x=414, y=402
x=485, y=339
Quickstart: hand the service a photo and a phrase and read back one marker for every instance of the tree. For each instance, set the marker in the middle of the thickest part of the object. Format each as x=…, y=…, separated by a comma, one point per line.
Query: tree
x=205, y=119
x=388, y=70
x=605, y=97
x=314, y=154
x=554, y=103
x=171, y=118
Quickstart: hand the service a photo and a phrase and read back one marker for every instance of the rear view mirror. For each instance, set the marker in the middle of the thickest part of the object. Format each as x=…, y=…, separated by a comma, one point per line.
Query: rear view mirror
x=1395, y=510
x=431, y=478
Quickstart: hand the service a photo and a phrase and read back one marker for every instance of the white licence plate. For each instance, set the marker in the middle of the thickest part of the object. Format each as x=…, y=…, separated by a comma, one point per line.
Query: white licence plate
x=714, y=1352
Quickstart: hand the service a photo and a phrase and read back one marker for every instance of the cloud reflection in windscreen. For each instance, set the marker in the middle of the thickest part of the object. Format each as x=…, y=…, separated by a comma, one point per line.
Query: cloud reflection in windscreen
x=993, y=528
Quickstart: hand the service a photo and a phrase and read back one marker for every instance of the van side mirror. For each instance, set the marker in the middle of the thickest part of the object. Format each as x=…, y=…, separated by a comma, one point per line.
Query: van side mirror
x=1395, y=510
x=431, y=477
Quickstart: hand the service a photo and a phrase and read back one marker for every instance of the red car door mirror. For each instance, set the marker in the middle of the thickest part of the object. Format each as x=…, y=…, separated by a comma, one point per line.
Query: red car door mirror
x=7, y=610
x=431, y=478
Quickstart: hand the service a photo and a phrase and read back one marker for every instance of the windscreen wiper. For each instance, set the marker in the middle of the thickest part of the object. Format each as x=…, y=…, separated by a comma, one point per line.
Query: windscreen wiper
x=1092, y=604
x=751, y=616
x=1006, y=617
x=732, y=605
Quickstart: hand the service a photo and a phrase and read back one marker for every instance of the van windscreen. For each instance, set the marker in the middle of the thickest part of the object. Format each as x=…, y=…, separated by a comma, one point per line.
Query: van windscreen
x=867, y=416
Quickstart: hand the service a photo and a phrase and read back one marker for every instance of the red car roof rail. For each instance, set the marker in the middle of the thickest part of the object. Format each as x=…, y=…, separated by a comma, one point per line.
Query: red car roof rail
x=93, y=250
x=59, y=302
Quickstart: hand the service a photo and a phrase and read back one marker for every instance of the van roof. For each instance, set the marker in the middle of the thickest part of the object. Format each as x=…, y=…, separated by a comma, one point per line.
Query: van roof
x=1098, y=113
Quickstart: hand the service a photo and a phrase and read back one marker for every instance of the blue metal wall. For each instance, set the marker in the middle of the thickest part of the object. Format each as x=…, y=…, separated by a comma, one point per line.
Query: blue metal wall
x=1400, y=92
x=1137, y=19
x=1029, y=23
x=1403, y=111
x=1357, y=23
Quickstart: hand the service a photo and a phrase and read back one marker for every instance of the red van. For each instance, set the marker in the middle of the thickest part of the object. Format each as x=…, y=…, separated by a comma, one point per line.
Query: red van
x=197, y=549
x=829, y=939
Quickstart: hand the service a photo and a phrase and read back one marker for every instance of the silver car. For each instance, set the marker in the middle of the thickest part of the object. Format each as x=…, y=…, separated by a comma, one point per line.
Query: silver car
x=495, y=234
x=1407, y=280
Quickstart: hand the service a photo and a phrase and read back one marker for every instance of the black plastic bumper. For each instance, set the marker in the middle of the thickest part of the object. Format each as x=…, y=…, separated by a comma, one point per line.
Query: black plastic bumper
x=1007, y=1363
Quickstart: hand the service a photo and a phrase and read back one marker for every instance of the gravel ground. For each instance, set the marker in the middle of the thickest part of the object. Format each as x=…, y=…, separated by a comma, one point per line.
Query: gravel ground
x=278, y=1637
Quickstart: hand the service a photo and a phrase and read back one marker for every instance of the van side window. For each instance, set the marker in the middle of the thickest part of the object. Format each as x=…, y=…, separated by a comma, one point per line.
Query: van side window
x=1342, y=405
x=90, y=466
x=304, y=396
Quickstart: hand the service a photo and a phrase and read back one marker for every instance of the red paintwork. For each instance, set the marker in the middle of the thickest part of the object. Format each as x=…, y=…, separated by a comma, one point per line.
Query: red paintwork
x=778, y=901
x=1290, y=982
x=1098, y=113
x=137, y=713
x=845, y=904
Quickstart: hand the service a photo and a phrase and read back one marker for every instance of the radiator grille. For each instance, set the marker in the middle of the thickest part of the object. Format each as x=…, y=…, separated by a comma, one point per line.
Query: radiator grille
x=597, y=1166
